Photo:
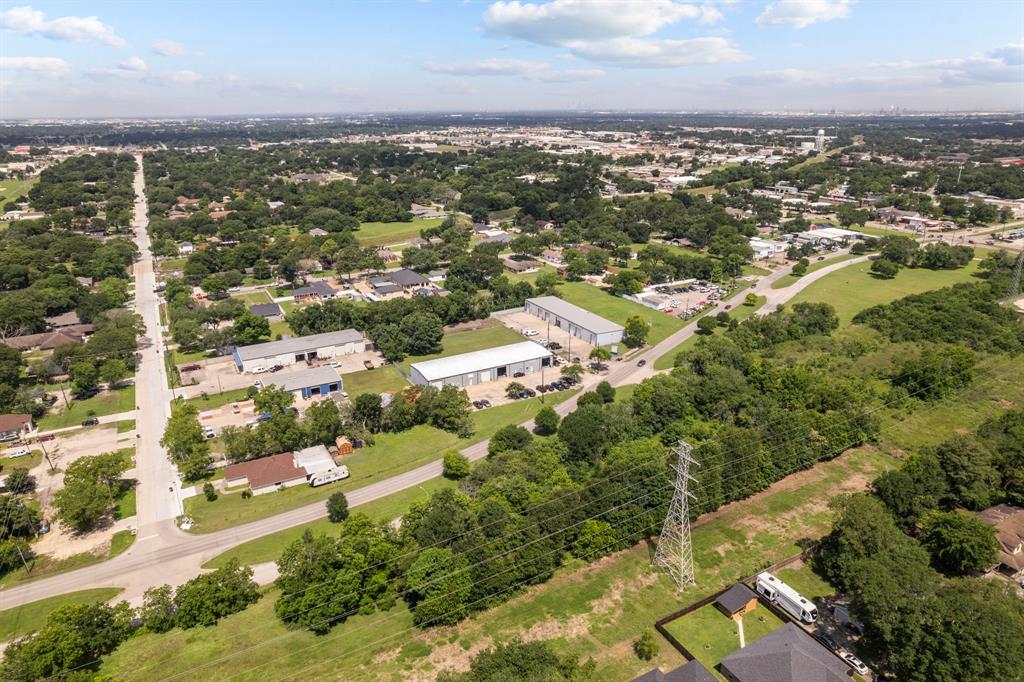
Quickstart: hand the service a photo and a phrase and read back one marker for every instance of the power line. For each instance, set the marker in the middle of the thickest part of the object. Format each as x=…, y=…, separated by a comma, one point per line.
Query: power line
x=675, y=551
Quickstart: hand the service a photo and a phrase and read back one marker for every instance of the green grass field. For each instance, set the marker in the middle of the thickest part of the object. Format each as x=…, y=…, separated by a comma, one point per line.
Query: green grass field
x=11, y=188
x=592, y=610
x=269, y=548
x=853, y=289
x=114, y=402
x=43, y=566
x=710, y=636
x=251, y=298
x=619, y=309
x=376, y=380
x=468, y=341
x=392, y=453
x=22, y=620
x=213, y=400
x=171, y=264
x=378, y=234
x=785, y=281
x=802, y=578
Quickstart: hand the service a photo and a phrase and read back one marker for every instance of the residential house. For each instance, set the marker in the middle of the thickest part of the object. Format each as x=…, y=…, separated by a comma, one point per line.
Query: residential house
x=271, y=311
x=317, y=232
x=15, y=427
x=68, y=319
x=1009, y=523
x=185, y=248
x=787, y=654
x=50, y=340
x=692, y=671
x=407, y=279
x=315, y=291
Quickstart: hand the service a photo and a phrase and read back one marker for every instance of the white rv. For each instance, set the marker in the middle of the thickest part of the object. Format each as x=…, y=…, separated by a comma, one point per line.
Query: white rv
x=786, y=597
x=329, y=476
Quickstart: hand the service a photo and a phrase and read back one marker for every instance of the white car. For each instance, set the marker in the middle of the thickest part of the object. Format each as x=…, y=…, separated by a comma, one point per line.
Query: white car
x=259, y=369
x=854, y=663
x=20, y=452
x=336, y=365
x=530, y=332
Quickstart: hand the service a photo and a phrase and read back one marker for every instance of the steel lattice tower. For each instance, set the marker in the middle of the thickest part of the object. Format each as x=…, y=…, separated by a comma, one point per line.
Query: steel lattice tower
x=674, y=551
x=1015, y=280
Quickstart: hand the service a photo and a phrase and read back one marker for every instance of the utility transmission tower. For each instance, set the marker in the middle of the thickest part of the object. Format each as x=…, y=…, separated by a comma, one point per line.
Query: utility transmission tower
x=1015, y=281
x=675, y=552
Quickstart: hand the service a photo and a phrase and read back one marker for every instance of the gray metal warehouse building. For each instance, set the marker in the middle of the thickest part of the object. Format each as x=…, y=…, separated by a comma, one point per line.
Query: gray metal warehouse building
x=299, y=349
x=481, y=366
x=581, y=323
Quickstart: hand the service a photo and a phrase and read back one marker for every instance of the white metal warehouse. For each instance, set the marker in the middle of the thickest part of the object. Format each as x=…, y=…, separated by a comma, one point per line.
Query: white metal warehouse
x=581, y=323
x=481, y=366
x=299, y=349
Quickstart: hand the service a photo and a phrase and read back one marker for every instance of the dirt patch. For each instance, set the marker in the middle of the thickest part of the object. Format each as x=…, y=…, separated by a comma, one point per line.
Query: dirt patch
x=450, y=657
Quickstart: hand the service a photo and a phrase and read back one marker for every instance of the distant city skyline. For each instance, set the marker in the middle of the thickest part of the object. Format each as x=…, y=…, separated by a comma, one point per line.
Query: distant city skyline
x=163, y=59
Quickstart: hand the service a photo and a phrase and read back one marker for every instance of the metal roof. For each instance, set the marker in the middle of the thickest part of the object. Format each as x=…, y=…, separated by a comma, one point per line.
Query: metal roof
x=578, y=316
x=304, y=378
x=480, y=360
x=298, y=344
x=787, y=654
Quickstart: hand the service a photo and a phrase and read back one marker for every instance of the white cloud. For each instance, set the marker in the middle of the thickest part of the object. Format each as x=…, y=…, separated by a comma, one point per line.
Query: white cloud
x=73, y=29
x=486, y=67
x=183, y=77
x=613, y=33
x=171, y=48
x=571, y=76
x=47, y=67
x=803, y=13
x=631, y=52
x=561, y=21
x=134, y=64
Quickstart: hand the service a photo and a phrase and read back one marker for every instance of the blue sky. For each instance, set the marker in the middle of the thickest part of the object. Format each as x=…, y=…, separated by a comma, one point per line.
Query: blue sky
x=84, y=59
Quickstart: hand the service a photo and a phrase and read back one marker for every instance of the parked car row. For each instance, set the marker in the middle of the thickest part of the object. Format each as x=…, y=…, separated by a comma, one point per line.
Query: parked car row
x=560, y=385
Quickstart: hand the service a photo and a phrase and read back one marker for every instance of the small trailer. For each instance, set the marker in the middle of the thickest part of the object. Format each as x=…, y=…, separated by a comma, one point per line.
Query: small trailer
x=786, y=598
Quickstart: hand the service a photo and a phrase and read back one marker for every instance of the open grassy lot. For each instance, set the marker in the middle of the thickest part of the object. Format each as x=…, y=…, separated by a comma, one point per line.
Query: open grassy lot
x=251, y=298
x=619, y=309
x=710, y=636
x=802, y=578
x=391, y=453
x=376, y=380
x=882, y=232
x=43, y=566
x=588, y=610
x=22, y=620
x=853, y=289
x=108, y=402
x=378, y=234
x=530, y=277
x=11, y=188
x=468, y=341
x=171, y=264
x=783, y=282
x=213, y=400
x=180, y=358
x=269, y=548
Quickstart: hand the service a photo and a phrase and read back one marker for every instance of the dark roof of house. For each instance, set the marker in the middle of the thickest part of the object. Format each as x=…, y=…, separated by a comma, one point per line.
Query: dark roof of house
x=266, y=309
x=735, y=598
x=315, y=289
x=13, y=422
x=785, y=655
x=692, y=671
x=266, y=470
x=388, y=288
x=406, y=278
x=50, y=340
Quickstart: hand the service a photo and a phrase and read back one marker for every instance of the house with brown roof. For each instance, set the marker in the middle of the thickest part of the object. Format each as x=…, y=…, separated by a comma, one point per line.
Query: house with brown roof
x=50, y=340
x=68, y=319
x=1009, y=523
x=15, y=427
x=266, y=474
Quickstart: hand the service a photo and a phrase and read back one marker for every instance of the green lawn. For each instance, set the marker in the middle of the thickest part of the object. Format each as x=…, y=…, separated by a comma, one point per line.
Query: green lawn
x=11, y=188
x=592, y=610
x=43, y=566
x=376, y=380
x=269, y=548
x=882, y=232
x=125, y=503
x=172, y=264
x=853, y=289
x=465, y=342
x=180, y=358
x=213, y=400
x=120, y=541
x=22, y=620
x=619, y=309
x=113, y=402
x=754, y=270
x=378, y=234
x=391, y=454
x=251, y=298
x=711, y=636
x=125, y=425
x=282, y=328
x=783, y=282
x=804, y=580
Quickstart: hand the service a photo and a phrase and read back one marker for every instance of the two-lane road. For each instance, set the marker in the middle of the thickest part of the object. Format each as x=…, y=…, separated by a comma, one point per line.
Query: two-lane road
x=163, y=554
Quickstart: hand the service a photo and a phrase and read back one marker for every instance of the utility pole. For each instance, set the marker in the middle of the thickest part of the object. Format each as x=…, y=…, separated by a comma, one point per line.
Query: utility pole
x=675, y=551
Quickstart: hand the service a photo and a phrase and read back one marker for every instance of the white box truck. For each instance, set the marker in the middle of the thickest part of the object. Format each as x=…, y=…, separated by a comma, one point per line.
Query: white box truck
x=786, y=598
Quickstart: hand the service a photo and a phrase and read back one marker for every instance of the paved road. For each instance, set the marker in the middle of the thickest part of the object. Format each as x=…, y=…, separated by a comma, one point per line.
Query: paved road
x=163, y=554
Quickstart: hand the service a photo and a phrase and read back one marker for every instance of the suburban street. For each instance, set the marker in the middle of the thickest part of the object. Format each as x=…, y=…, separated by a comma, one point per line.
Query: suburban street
x=164, y=554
